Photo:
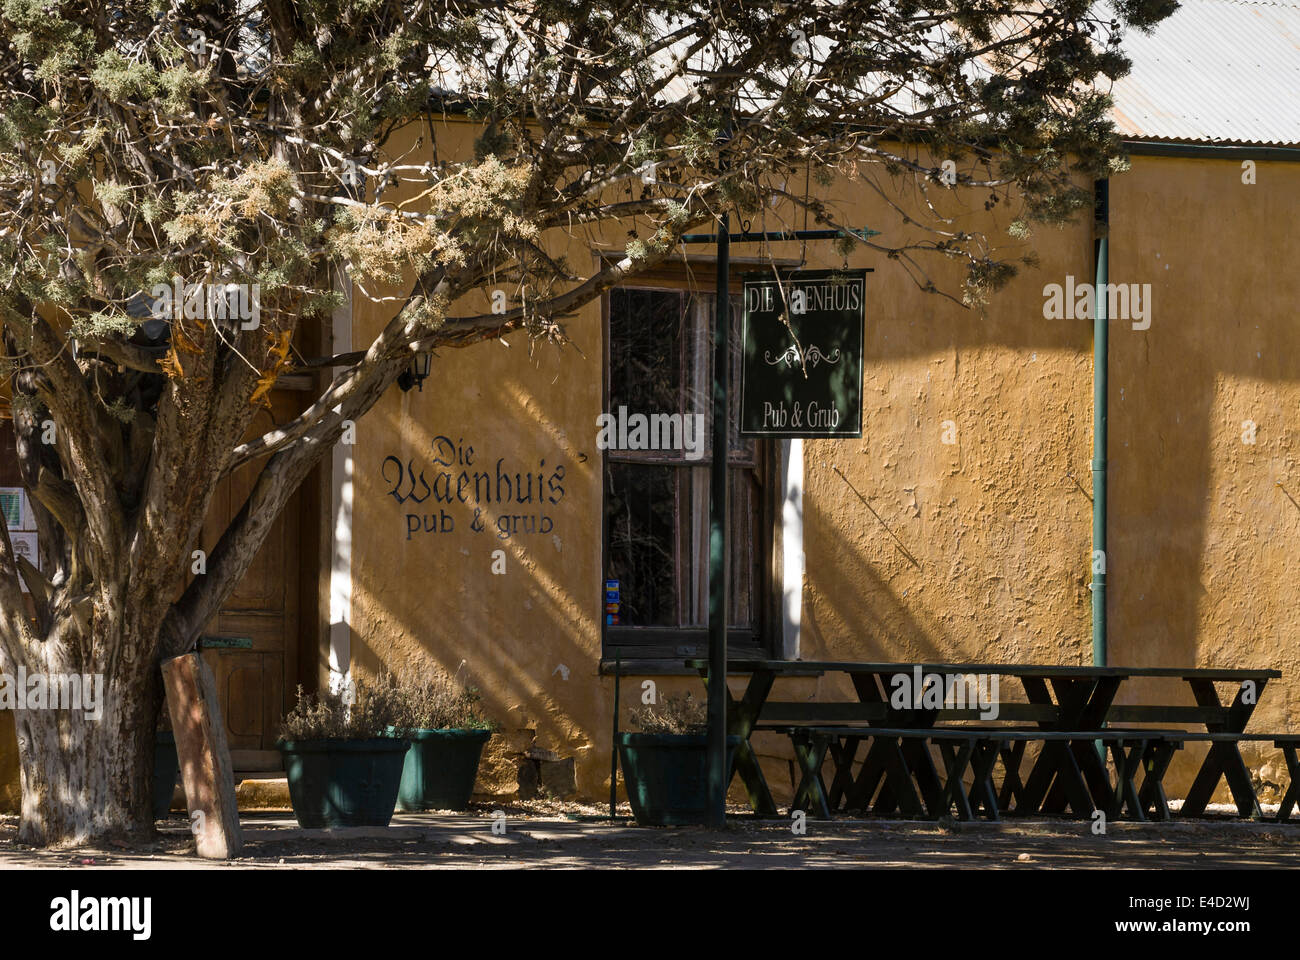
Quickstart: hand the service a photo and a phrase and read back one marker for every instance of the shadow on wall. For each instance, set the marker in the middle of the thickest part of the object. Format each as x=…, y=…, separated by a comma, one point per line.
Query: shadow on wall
x=859, y=615
x=1204, y=530
x=516, y=626
x=867, y=620
x=1015, y=591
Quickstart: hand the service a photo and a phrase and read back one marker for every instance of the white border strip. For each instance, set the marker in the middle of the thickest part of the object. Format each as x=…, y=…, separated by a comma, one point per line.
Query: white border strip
x=791, y=546
x=340, y=637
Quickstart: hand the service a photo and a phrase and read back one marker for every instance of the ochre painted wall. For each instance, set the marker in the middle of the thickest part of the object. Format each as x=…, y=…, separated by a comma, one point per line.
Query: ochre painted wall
x=1204, y=529
x=997, y=525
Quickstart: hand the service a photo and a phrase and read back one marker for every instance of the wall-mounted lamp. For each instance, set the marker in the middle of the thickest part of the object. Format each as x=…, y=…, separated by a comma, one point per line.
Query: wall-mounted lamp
x=416, y=373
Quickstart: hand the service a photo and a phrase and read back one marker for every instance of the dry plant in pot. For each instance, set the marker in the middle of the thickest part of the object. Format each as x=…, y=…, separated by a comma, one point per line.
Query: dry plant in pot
x=343, y=755
x=447, y=729
x=665, y=765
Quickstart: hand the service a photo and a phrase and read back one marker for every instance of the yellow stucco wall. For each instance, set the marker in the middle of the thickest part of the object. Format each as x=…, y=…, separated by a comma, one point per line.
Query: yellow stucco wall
x=1205, y=528
x=998, y=525
x=421, y=595
x=1203, y=540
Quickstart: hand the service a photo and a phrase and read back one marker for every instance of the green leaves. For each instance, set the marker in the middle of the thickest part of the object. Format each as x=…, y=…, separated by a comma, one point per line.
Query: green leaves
x=123, y=79
x=104, y=324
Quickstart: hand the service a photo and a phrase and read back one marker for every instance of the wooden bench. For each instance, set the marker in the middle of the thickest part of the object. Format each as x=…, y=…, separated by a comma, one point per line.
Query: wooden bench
x=1288, y=743
x=1058, y=699
x=976, y=748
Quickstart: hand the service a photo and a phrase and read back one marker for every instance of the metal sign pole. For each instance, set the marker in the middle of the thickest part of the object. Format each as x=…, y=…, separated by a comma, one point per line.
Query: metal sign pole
x=718, y=502
x=719, y=573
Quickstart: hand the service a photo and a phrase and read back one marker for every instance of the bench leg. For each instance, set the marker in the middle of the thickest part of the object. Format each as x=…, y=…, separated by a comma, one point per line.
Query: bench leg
x=811, y=794
x=1292, y=797
x=898, y=789
x=1127, y=764
x=1239, y=782
x=1092, y=761
x=982, y=794
x=926, y=775
x=869, y=777
x=1075, y=787
x=1289, y=801
x=1013, y=789
x=843, y=753
x=916, y=751
x=1068, y=788
x=747, y=766
x=1152, y=796
x=1034, y=793
x=1223, y=760
x=956, y=759
x=1084, y=758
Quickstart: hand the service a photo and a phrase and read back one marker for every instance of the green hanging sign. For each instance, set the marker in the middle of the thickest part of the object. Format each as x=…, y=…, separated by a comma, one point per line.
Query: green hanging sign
x=801, y=373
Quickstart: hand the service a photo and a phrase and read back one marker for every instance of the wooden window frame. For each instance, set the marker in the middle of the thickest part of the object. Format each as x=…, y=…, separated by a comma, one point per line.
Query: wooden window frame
x=664, y=644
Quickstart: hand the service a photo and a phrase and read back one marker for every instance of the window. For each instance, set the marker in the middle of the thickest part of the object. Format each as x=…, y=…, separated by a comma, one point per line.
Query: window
x=656, y=501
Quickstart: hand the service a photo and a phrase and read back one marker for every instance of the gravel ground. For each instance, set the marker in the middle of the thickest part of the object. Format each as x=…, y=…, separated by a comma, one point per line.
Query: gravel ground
x=564, y=835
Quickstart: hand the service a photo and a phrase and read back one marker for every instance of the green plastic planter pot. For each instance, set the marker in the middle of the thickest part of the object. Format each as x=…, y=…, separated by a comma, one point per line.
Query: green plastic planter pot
x=344, y=783
x=440, y=769
x=165, y=768
x=666, y=775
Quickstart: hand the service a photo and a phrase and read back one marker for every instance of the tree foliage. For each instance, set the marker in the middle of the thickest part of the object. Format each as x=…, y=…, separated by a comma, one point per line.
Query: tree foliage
x=146, y=143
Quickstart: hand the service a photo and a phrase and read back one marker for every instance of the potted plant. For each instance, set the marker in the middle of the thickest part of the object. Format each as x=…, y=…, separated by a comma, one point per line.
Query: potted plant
x=665, y=766
x=447, y=730
x=342, y=761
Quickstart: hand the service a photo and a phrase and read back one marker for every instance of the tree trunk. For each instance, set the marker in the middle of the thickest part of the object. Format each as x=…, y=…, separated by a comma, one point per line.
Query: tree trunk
x=90, y=777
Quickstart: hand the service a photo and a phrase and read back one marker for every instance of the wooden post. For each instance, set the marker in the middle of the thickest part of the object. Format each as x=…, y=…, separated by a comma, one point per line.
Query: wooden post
x=204, y=756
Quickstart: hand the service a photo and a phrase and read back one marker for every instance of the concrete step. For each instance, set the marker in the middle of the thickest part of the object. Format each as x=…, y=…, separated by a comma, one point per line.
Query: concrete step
x=260, y=791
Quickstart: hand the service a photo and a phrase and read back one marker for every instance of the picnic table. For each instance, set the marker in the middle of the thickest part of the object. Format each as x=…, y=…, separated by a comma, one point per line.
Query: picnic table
x=1069, y=771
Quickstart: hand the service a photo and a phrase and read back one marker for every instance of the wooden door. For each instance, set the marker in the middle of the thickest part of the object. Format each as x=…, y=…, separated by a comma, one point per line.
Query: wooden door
x=252, y=644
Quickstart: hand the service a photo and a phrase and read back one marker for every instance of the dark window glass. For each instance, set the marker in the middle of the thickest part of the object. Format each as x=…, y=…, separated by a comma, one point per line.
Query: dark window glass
x=642, y=528
x=645, y=372
x=657, y=501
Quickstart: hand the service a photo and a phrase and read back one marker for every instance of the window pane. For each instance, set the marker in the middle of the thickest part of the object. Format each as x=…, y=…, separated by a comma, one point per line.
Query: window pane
x=746, y=547
x=739, y=448
x=656, y=515
x=646, y=333
x=642, y=527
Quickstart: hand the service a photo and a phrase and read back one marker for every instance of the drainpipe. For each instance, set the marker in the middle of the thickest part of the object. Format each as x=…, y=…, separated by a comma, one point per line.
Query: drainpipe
x=1100, y=363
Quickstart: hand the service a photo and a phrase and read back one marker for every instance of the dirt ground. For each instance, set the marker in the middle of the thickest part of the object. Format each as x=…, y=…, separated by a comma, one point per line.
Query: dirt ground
x=566, y=836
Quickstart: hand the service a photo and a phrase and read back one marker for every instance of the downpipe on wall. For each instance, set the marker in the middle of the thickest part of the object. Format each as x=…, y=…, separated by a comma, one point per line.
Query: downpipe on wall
x=1100, y=368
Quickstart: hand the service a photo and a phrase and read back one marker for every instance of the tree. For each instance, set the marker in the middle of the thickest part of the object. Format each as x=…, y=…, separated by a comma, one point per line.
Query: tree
x=148, y=145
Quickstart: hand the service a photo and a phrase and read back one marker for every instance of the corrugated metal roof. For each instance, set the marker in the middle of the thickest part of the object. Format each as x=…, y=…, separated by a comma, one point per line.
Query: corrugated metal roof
x=1216, y=71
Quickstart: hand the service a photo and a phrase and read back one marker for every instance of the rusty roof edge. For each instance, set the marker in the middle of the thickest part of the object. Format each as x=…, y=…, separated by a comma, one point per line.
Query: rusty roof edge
x=1146, y=147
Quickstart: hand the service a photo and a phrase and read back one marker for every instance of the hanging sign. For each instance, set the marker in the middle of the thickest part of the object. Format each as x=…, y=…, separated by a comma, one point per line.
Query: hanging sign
x=801, y=372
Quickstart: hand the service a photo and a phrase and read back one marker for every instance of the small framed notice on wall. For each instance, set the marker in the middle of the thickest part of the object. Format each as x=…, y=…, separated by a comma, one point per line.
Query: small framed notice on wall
x=17, y=510
x=13, y=503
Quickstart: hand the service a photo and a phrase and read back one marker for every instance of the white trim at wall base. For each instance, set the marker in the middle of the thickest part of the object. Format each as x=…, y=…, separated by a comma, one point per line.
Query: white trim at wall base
x=791, y=546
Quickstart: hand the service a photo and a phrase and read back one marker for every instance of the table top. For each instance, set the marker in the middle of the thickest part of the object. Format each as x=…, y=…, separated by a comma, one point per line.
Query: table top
x=816, y=667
